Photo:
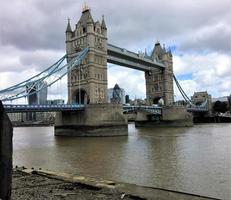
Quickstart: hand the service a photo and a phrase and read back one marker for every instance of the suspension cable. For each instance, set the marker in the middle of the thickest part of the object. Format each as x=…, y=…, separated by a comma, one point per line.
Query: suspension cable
x=24, y=83
x=40, y=83
x=186, y=98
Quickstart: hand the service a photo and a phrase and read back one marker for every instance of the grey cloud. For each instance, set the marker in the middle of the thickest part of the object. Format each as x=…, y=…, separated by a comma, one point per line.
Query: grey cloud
x=169, y=21
x=28, y=27
x=41, y=24
x=16, y=60
x=32, y=33
x=208, y=39
x=40, y=60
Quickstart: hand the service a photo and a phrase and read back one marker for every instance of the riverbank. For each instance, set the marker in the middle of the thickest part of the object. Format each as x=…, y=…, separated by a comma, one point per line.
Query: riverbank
x=42, y=184
x=31, y=124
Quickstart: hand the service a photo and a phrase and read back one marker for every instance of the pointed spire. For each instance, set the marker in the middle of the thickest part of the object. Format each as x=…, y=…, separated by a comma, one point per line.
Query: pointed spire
x=145, y=52
x=68, y=26
x=164, y=48
x=90, y=19
x=157, y=42
x=170, y=51
x=85, y=7
x=86, y=16
x=157, y=51
x=116, y=86
x=103, y=24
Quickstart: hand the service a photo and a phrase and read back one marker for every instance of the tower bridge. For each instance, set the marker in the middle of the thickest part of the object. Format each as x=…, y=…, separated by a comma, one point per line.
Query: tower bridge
x=90, y=80
x=87, y=55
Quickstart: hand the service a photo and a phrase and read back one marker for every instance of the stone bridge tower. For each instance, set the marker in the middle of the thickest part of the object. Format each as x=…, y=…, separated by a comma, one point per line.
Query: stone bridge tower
x=88, y=84
x=159, y=82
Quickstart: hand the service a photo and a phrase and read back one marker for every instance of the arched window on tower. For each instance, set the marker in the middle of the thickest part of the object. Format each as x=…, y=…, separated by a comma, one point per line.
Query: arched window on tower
x=156, y=87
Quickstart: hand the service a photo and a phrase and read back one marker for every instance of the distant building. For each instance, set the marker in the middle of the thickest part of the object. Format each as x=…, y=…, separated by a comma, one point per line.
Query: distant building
x=221, y=99
x=109, y=94
x=30, y=117
x=229, y=100
x=226, y=100
x=180, y=102
x=17, y=117
x=39, y=97
x=199, y=98
x=116, y=95
x=127, y=100
x=55, y=102
x=138, y=102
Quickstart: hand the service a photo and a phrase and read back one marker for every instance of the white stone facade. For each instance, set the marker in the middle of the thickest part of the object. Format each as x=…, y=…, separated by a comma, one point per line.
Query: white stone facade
x=91, y=80
x=159, y=82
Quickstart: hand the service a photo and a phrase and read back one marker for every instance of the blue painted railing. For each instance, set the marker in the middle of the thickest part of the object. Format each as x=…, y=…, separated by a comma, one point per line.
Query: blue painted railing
x=12, y=108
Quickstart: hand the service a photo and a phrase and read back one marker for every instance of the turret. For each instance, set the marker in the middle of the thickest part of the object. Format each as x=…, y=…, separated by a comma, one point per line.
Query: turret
x=159, y=83
x=68, y=31
x=68, y=37
x=97, y=27
x=103, y=27
x=170, y=52
x=92, y=78
x=145, y=53
x=90, y=22
x=86, y=20
x=90, y=25
x=158, y=51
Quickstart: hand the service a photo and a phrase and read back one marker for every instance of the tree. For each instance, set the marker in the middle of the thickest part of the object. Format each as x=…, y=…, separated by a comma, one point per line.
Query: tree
x=220, y=107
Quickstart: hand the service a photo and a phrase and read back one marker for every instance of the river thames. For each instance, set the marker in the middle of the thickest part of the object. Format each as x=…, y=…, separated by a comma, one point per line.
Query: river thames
x=194, y=160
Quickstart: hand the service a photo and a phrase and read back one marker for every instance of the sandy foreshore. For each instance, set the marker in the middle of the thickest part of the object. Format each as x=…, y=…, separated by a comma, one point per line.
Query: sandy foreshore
x=41, y=184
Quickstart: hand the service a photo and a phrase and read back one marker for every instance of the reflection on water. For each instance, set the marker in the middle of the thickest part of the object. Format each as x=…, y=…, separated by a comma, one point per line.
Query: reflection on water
x=195, y=160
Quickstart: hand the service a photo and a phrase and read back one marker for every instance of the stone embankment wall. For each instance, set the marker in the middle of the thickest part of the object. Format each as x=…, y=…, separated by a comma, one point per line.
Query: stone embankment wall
x=6, y=133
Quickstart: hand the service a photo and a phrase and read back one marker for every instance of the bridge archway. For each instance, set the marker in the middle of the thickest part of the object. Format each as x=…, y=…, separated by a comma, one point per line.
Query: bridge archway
x=80, y=97
x=156, y=100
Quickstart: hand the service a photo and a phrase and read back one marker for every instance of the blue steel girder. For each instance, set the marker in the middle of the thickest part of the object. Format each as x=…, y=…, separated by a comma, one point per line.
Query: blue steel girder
x=123, y=57
x=13, y=108
x=198, y=109
x=153, y=110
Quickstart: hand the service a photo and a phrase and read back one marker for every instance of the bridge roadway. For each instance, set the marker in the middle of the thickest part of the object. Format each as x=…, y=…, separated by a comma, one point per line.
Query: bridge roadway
x=12, y=108
x=123, y=57
x=197, y=109
x=156, y=110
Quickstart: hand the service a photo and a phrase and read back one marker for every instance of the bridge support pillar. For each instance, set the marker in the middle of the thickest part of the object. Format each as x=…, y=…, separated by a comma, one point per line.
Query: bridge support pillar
x=177, y=116
x=96, y=120
x=172, y=116
x=146, y=119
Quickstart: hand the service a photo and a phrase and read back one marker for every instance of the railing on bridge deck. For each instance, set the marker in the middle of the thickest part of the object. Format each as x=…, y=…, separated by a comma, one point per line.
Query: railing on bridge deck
x=154, y=110
x=197, y=109
x=10, y=108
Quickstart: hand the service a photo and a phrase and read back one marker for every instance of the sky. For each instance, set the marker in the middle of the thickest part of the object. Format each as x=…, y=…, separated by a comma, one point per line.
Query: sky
x=32, y=37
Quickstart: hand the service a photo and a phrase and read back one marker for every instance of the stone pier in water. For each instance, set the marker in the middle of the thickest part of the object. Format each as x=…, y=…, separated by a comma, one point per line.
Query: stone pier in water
x=172, y=116
x=104, y=119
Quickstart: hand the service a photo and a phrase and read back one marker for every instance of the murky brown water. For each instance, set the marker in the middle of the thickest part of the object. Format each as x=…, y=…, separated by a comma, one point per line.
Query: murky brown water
x=195, y=160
